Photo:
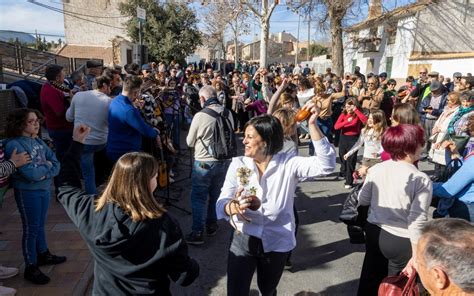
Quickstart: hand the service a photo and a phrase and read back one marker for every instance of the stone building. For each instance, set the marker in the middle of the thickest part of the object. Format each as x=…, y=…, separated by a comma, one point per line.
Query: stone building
x=430, y=33
x=95, y=29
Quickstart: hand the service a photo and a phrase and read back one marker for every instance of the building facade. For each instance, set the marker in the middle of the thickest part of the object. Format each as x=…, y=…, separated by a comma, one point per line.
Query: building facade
x=429, y=33
x=95, y=29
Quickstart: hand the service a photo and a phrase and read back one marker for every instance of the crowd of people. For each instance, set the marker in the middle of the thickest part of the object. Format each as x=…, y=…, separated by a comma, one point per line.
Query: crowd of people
x=115, y=128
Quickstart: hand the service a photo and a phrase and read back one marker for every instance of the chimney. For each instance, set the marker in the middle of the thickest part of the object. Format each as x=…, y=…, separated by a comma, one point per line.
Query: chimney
x=375, y=9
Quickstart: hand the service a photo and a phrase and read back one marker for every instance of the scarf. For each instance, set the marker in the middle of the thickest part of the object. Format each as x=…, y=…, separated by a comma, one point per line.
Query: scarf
x=211, y=101
x=461, y=112
x=59, y=86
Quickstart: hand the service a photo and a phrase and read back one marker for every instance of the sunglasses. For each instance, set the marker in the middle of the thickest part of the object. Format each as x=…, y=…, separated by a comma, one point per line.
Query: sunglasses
x=370, y=83
x=423, y=73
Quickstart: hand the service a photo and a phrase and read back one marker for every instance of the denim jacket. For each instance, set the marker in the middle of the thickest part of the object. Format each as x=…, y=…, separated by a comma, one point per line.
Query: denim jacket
x=426, y=102
x=38, y=173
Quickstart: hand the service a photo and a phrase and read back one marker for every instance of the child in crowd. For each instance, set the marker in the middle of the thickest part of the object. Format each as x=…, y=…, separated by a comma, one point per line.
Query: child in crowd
x=32, y=188
x=349, y=123
x=370, y=138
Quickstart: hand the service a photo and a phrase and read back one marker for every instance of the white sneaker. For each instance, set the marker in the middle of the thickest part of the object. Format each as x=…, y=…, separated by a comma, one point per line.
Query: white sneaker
x=347, y=186
x=7, y=272
x=5, y=291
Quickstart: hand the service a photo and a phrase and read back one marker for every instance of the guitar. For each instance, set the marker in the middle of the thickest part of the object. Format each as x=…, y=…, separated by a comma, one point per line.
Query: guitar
x=162, y=171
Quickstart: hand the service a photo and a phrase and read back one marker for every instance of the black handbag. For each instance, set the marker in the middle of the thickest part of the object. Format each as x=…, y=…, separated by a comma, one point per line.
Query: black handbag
x=355, y=217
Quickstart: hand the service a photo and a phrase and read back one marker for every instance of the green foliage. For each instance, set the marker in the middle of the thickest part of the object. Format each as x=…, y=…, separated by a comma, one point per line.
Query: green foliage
x=170, y=31
x=315, y=50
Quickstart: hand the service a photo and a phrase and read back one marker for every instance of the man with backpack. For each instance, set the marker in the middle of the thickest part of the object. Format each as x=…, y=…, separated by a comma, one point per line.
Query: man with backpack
x=211, y=134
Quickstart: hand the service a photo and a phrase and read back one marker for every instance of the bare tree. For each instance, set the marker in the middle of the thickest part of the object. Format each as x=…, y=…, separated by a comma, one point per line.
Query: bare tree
x=263, y=10
x=331, y=15
x=336, y=11
x=222, y=15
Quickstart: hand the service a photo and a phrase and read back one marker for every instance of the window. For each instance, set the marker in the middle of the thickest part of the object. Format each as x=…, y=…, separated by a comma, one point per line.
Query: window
x=354, y=64
x=392, y=35
x=129, y=56
x=370, y=65
x=388, y=66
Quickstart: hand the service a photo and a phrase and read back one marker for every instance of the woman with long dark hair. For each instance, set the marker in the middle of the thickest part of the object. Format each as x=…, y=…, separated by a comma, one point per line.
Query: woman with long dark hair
x=350, y=123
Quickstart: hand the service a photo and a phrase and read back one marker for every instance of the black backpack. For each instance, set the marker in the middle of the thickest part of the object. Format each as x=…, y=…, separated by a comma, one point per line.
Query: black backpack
x=223, y=144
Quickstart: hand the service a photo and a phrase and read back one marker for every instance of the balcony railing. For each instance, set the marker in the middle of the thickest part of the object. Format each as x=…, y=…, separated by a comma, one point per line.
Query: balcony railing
x=367, y=44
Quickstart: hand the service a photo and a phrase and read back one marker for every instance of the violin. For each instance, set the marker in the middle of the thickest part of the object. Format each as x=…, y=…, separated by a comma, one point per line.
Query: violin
x=403, y=93
x=302, y=115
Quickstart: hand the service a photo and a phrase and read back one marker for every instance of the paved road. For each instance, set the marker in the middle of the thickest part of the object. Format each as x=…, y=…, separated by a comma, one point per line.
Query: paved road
x=324, y=262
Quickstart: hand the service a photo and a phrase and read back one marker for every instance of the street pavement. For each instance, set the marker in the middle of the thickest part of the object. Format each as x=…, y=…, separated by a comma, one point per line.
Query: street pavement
x=324, y=262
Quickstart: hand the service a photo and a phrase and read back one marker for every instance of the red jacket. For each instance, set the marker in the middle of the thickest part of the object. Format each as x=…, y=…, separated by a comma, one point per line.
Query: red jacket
x=350, y=127
x=54, y=108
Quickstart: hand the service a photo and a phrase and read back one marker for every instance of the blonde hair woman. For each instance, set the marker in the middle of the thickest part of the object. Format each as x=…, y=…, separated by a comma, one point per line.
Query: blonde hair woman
x=137, y=247
x=439, y=154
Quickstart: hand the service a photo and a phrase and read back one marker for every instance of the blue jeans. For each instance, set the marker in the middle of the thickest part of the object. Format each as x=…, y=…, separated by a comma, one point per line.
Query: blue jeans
x=207, y=180
x=88, y=170
x=33, y=207
x=325, y=126
x=61, y=140
x=173, y=122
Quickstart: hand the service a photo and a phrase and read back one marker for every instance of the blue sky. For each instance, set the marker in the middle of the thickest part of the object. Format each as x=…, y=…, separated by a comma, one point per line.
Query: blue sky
x=20, y=15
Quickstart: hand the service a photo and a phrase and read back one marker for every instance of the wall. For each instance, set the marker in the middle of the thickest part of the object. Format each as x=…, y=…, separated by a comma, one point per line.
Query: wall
x=447, y=67
x=440, y=28
x=400, y=50
x=80, y=32
x=441, y=24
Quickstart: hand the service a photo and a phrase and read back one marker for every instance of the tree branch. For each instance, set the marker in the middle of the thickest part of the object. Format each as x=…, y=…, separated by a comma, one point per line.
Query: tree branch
x=252, y=9
x=270, y=10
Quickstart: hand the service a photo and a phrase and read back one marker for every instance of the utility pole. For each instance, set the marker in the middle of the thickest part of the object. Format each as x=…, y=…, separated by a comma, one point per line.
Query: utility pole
x=297, y=40
x=141, y=15
x=309, y=38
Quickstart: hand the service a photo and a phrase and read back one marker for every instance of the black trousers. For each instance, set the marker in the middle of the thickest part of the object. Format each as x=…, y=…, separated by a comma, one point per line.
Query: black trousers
x=245, y=255
x=347, y=166
x=386, y=254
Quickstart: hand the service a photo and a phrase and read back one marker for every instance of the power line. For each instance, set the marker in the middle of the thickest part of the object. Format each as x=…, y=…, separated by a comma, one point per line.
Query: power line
x=72, y=14
x=85, y=9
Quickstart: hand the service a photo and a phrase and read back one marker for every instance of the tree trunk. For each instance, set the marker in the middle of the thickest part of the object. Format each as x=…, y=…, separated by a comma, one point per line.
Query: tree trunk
x=264, y=44
x=265, y=28
x=236, y=43
x=336, y=45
